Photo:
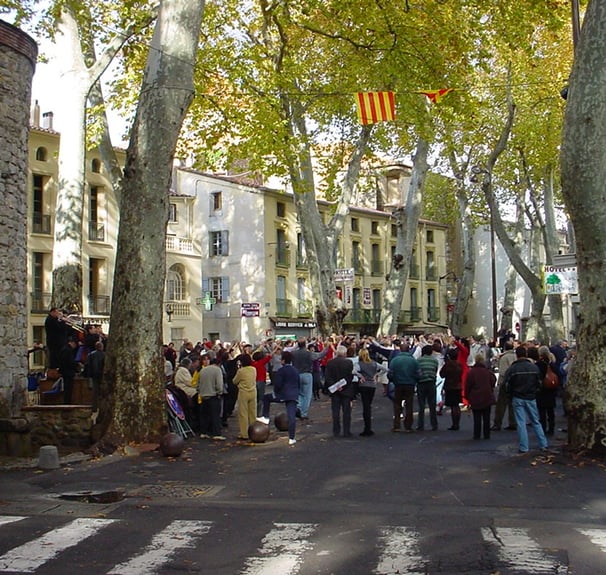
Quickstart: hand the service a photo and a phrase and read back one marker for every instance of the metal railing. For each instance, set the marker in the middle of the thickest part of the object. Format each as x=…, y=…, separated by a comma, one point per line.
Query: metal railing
x=304, y=308
x=96, y=232
x=411, y=315
x=413, y=274
x=433, y=314
x=40, y=302
x=282, y=257
x=99, y=304
x=377, y=267
x=283, y=307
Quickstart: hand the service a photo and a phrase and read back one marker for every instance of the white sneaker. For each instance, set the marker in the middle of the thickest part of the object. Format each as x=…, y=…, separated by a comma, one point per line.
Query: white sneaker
x=203, y=436
x=264, y=420
x=218, y=437
x=292, y=441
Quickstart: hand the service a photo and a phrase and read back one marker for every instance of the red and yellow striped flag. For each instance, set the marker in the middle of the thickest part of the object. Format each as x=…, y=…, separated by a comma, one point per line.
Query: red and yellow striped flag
x=373, y=107
x=435, y=95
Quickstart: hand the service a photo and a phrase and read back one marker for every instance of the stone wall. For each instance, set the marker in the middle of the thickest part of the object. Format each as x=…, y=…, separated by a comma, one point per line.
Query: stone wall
x=66, y=426
x=18, y=53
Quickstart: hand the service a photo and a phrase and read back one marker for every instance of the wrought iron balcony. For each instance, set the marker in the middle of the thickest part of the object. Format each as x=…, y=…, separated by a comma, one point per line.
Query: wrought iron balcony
x=99, y=304
x=283, y=307
x=282, y=257
x=96, y=232
x=41, y=223
x=431, y=274
x=413, y=274
x=433, y=314
x=363, y=316
x=377, y=267
x=304, y=308
x=411, y=315
x=40, y=302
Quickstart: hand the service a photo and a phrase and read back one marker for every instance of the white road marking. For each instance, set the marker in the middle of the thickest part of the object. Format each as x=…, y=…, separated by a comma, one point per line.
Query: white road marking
x=282, y=549
x=520, y=552
x=28, y=557
x=177, y=535
x=399, y=552
x=5, y=519
x=597, y=537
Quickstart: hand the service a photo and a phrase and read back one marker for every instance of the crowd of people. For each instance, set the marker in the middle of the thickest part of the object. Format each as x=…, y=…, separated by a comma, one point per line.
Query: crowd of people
x=439, y=371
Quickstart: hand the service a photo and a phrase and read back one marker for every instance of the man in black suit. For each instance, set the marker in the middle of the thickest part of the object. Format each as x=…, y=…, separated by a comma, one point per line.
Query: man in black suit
x=339, y=370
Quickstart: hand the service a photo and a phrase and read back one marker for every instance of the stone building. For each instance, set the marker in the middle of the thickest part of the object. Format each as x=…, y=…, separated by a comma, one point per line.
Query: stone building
x=18, y=53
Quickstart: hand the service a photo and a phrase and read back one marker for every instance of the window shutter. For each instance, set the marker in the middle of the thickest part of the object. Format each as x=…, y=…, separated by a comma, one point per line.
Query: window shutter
x=224, y=289
x=225, y=242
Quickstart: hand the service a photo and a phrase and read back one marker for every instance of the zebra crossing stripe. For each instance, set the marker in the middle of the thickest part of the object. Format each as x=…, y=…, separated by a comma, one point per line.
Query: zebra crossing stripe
x=281, y=550
x=597, y=537
x=28, y=557
x=399, y=552
x=5, y=519
x=519, y=551
x=177, y=535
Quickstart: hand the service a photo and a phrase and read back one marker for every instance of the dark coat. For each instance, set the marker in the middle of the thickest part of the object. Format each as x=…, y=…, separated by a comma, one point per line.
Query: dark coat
x=480, y=387
x=523, y=379
x=452, y=372
x=286, y=383
x=68, y=366
x=340, y=368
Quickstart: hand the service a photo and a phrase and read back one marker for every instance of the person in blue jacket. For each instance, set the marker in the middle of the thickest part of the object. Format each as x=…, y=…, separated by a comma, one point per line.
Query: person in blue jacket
x=286, y=390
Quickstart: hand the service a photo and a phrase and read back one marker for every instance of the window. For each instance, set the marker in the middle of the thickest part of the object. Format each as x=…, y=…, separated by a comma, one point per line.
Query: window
x=394, y=230
x=172, y=213
x=429, y=237
x=174, y=284
x=431, y=267
x=95, y=166
x=218, y=287
x=41, y=154
x=356, y=260
x=301, y=261
x=281, y=209
x=40, y=220
x=218, y=243
x=374, y=228
x=96, y=230
x=355, y=225
x=216, y=202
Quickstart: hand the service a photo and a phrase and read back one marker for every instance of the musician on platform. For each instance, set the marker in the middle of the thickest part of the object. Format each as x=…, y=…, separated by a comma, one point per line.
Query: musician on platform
x=57, y=332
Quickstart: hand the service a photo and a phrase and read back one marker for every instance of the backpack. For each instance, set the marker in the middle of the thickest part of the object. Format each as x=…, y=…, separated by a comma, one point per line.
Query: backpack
x=551, y=380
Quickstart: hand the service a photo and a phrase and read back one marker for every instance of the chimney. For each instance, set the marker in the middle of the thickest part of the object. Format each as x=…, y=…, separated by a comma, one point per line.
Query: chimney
x=47, y=120
x=36, y=115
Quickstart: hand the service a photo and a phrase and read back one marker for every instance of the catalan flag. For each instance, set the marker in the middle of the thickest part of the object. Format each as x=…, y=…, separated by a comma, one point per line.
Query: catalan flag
x=435, y=95
x=375, y=107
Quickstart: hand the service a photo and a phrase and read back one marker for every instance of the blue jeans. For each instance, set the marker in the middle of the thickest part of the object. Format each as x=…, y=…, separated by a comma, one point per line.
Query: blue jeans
x=306, y=383
x=527, y=409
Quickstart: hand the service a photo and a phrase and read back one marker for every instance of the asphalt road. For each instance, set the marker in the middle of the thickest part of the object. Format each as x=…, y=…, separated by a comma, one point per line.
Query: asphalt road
x=418, y=503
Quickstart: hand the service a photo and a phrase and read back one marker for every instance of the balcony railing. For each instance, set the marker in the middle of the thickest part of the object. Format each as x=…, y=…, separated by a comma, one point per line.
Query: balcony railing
x=411, y=315
x=283, y=307
x=433, y=314
x=377, y=267
x=304, y=308
x=431, y=274
x=40, y=302
x=282, y=257
x=358, y=266
x=41, y=224
x=99, y=304
x=178, y=308
x=363, y=316
x=181, y=245
x=96, y=232
x=413, y=274
x=301, y=262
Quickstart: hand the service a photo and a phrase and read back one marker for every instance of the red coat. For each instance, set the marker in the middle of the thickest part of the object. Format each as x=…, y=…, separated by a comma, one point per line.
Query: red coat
x=480, y=387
